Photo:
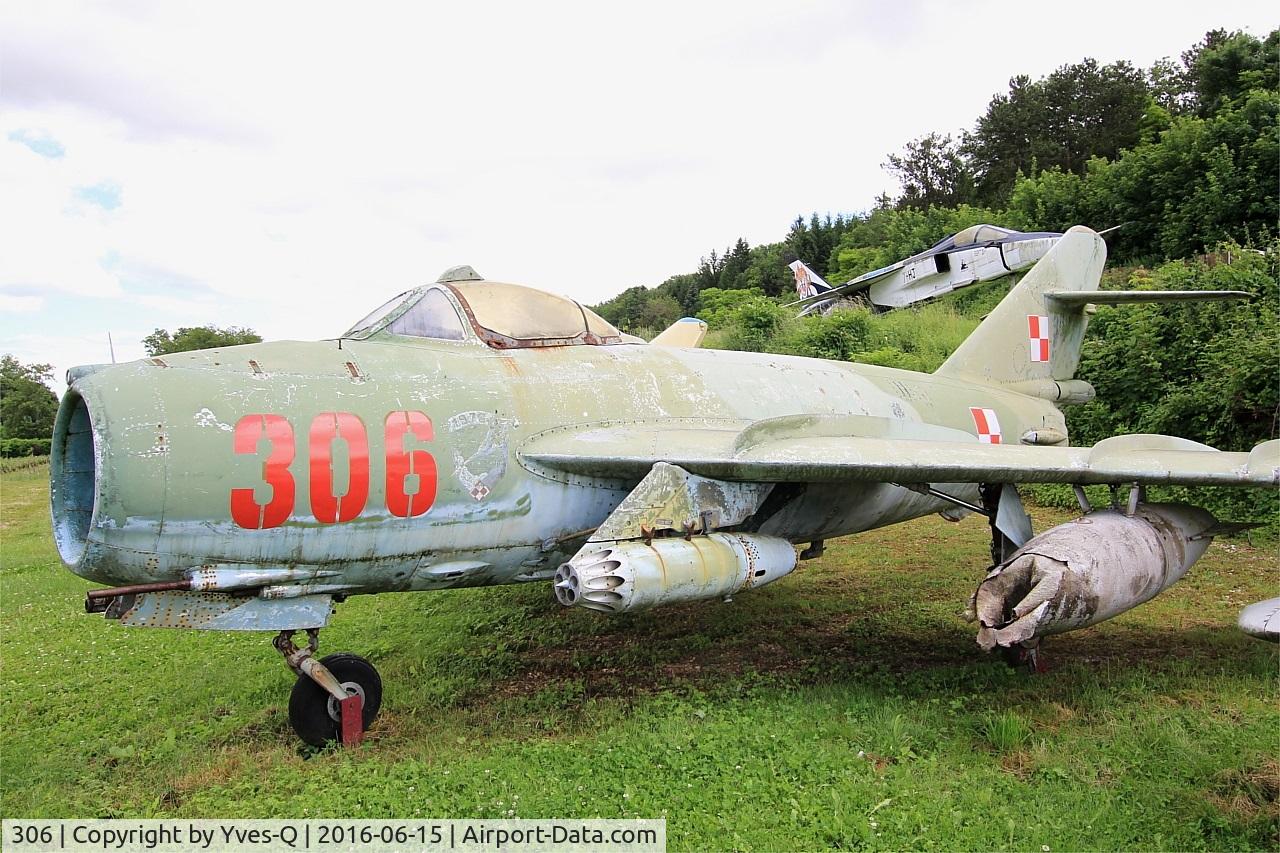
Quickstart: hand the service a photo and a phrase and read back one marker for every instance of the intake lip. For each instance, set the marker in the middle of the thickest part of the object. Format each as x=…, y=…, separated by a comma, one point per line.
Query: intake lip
x=73, y=478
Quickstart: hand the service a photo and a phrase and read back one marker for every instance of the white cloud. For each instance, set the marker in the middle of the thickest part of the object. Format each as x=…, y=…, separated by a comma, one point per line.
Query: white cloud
x=20, y=304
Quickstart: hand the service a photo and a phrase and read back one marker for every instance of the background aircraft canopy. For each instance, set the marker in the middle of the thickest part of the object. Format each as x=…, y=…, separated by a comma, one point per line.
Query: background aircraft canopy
x=974, y=234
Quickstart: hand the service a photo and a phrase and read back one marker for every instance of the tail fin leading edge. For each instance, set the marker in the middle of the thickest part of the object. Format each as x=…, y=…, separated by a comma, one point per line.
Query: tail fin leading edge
x=1030, y=336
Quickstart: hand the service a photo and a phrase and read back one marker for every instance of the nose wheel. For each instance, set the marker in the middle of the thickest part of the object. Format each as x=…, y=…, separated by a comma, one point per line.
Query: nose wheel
x=335, y=698
x=317, y=715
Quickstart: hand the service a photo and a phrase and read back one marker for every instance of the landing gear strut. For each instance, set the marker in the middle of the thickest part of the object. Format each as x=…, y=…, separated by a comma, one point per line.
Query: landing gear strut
x=1002, y=547
x=335, y=698
x=815, y=550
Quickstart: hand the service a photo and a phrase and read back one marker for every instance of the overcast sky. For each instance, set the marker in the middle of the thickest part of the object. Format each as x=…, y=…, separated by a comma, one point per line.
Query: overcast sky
x=287, y=166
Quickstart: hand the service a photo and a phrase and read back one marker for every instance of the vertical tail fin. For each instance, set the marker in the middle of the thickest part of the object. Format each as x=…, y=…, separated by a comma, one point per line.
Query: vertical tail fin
x=808, y=282
x=1028, y=338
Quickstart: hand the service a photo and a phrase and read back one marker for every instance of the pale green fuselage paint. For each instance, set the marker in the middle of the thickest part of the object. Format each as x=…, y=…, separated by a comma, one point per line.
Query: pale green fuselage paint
x=165, y=463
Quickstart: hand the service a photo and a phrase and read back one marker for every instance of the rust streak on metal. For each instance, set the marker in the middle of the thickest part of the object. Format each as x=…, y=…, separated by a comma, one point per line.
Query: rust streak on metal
x=135, y=589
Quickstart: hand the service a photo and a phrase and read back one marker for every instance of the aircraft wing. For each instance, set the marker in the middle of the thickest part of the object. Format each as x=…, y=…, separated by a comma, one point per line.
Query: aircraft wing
x=843, y=448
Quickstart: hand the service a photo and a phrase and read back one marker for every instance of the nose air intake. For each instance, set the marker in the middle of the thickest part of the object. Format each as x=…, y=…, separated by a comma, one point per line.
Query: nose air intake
x=73, y=478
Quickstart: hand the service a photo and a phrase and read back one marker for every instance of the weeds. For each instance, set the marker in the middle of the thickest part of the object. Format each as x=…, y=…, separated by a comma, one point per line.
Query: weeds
x=1005, y=731
x=22, y=463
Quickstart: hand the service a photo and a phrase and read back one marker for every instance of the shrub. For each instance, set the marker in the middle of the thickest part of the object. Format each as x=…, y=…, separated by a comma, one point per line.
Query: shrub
x=13, y=447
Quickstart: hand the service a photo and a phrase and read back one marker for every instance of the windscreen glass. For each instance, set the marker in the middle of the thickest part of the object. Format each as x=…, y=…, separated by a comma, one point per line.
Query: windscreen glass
x=432, y=317
x=375, y=316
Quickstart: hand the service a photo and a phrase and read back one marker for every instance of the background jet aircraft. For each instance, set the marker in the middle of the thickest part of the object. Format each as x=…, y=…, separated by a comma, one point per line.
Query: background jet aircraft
x=978, y=253
x=472, y=432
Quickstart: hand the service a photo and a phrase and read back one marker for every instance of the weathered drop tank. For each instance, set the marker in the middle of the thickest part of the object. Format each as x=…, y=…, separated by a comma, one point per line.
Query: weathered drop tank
x=636, y=576
x=1088, y=570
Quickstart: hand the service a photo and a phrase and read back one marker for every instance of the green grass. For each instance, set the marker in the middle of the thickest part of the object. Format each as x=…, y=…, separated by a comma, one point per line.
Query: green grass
x=846, y=706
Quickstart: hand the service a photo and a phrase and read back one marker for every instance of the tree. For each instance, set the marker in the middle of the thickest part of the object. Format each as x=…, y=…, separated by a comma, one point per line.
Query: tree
x=932, y=171
x=1202, y=181
x=709, y=271
x=1077, y=112
x=812, y=242
x=1171, y=86
x=718, y=307
x=736, y=260
x=660, y=311
x=768, y=270
x=1224, y=66
x=160, y=342
x=27, y=406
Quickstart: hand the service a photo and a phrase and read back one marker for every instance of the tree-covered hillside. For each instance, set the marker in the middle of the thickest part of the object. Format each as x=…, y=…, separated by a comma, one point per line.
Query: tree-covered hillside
x=1183, y=154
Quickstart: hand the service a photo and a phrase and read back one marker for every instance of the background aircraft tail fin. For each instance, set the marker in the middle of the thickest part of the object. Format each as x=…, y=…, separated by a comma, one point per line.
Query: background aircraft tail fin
x=808, y=282
x=1030, y=338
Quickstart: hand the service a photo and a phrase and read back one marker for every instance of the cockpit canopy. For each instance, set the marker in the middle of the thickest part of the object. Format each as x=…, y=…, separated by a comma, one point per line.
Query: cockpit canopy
x=505, y=316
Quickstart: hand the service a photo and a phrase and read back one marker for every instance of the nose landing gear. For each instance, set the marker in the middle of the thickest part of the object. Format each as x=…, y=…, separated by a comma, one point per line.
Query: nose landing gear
x=334, y=698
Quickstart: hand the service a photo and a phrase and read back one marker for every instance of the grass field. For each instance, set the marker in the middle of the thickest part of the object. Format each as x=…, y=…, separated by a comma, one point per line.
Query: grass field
x=846, y=706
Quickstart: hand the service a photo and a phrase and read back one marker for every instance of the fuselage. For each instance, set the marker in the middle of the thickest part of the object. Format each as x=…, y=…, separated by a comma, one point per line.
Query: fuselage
x=381, y=465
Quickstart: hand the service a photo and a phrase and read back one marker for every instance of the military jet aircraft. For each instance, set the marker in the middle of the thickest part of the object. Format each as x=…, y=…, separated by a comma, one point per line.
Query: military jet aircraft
x=976, y=254
x=471, y=432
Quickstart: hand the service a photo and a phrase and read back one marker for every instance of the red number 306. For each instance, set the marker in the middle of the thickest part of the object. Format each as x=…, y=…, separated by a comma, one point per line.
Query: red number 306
x=326, y=428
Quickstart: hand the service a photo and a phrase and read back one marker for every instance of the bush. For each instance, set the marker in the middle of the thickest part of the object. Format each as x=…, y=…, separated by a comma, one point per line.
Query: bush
x=754, y=325
x=839, y=336
x=13, y=447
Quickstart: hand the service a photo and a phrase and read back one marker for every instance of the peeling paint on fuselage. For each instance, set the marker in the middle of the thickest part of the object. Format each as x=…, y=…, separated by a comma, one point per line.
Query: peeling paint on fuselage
x=167, y=467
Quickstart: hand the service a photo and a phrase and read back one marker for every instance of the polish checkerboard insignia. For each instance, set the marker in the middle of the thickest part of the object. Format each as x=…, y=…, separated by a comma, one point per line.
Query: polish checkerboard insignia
x=987, y=423
x=1038, y=332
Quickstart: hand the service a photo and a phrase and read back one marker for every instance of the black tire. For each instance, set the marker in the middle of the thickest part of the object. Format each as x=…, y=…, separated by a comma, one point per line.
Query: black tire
x=313, y=712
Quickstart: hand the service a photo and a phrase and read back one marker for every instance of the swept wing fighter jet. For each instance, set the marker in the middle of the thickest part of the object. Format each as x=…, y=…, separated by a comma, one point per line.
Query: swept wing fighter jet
x=471, y=432
x=976, y=254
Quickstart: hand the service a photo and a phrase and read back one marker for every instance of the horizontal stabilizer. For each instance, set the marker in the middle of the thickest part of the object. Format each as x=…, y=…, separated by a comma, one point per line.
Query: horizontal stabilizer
x=1076, y=298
